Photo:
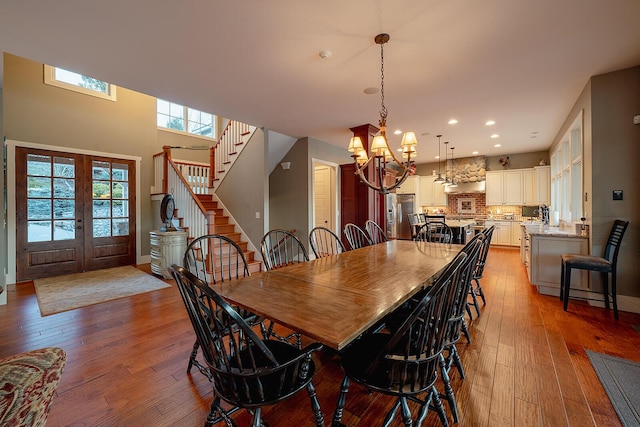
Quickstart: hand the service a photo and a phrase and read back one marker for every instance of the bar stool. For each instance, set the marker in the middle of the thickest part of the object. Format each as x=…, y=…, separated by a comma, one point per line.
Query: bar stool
x=605, y=264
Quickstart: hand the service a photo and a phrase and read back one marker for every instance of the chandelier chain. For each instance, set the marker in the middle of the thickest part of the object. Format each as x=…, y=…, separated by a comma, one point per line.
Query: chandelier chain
x=383, y=108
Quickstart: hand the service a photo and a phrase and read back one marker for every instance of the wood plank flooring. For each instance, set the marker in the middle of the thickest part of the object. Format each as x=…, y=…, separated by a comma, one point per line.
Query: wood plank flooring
x=526, y=365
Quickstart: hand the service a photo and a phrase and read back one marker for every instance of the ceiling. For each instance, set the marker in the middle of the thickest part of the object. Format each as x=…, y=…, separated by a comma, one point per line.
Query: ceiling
x=520, y=63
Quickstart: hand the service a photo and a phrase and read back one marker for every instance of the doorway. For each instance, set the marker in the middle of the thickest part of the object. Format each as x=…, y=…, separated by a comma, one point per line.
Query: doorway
x=73, y=212
x=325, y=211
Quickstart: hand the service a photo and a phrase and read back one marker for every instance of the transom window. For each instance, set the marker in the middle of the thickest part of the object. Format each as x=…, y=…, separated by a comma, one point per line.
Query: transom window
x=184, y=119
x=77, y=82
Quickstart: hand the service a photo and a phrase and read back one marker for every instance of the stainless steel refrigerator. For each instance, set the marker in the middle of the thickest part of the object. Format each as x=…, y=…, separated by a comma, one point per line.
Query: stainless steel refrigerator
x=397, y=207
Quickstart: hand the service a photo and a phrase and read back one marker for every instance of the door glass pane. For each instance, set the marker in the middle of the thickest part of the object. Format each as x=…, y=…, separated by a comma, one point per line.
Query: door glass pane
x=120, y=172
x=38, y=165
x=120, y=190
x=101, y=227
x=38, y=186
x=120, y=227
x=101, y=208
x=120, y=209
x=101, y=170
x=39, y=231
x=64, y=188
x=64, y=230
x=64, y=167
x=64, y=209
x=38, y=209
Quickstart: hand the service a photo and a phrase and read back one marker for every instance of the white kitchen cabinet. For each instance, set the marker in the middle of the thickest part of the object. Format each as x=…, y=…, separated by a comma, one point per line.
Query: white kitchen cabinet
x=504, y=187
x=542, y=176
x=502, y=232
x=410, y=186
x=529, y=187
x=167, y=248
x=431, y=194
x=545, y=263
x=516, y=233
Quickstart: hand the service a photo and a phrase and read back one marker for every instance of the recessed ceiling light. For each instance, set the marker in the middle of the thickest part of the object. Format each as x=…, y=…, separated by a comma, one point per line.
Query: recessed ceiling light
x=452, y=121
x=497, y=146
x=475, y=152
x=436, y=157
x=397, y=132
x=490, y=122
x=495, y=135
x=324, y=54
x=371, y=90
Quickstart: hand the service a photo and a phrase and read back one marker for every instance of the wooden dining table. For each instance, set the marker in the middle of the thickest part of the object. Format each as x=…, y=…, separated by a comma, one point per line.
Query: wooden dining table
x=337, y=298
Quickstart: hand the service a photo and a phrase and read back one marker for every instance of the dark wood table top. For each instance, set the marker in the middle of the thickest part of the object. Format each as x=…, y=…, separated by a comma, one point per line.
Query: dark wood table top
x=337, y=298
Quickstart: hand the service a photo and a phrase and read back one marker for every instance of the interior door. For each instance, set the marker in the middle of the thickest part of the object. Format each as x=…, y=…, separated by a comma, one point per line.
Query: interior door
x=323, y=208
x=73, y=213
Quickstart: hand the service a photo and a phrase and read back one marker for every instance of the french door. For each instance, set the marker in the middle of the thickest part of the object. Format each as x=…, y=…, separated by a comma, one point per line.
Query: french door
x=73, y=213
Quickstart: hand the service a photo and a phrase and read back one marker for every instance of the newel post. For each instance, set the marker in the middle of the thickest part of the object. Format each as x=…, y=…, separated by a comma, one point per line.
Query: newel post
x=166, y=155
x=212, y=163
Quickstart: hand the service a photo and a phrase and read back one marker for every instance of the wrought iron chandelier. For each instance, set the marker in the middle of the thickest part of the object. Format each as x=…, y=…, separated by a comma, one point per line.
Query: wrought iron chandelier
x=381, y=154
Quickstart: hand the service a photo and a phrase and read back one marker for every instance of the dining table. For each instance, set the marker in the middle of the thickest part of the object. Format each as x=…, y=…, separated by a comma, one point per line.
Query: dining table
x=337, y=298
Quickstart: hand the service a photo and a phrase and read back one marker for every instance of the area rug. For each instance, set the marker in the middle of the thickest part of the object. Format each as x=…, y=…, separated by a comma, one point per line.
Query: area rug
x=621, y=380
x=63, y=293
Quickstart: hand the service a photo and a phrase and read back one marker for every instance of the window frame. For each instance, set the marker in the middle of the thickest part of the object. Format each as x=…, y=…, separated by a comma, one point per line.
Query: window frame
x=185, y=119
x=567, y=173
x=50, y=79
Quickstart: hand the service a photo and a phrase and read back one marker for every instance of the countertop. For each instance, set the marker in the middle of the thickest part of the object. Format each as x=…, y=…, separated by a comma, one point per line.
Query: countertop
x=460, y=222
x=540, y=229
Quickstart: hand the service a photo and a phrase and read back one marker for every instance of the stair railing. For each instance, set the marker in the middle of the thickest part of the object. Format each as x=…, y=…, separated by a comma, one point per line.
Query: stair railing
x=192, y=212
x=226, y=150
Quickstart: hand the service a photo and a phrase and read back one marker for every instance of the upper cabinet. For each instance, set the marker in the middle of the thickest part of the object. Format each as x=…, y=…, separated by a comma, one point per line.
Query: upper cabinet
x=410, y=186
x=519, y=186
x=542, y=187
x=432, y=194
x=505, y=187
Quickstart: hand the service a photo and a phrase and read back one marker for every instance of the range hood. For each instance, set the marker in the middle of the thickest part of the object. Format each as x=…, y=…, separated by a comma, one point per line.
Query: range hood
x=466, y=188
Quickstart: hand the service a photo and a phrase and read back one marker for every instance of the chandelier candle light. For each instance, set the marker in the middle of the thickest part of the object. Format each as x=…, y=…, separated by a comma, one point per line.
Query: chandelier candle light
x=381, y=154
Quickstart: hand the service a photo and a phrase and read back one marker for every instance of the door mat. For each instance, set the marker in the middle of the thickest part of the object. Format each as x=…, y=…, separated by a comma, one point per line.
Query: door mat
x=71, y=291
x=621, y=380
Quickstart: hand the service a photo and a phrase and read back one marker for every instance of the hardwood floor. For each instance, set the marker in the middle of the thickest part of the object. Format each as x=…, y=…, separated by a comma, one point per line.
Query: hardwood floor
x=526, y=365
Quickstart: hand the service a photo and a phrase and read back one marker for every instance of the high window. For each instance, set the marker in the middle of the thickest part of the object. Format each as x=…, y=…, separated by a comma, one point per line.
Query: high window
x=566, y=174
x=184, y=119
x=76, y=82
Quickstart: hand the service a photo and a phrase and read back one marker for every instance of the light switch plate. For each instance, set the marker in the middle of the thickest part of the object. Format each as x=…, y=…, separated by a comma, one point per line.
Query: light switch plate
x=636, y=120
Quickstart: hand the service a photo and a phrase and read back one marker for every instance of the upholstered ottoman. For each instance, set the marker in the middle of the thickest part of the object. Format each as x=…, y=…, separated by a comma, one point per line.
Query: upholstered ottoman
x=27, y=384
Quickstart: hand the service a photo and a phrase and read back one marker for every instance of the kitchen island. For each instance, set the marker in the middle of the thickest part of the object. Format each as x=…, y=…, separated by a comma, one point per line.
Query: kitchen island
x=462, y=230
x=541, y=248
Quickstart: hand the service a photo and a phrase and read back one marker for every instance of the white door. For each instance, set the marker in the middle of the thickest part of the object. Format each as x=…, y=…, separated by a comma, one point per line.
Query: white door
x=323, y=185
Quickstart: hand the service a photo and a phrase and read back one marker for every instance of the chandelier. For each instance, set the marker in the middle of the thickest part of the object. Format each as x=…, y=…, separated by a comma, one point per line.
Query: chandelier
x=381, y=154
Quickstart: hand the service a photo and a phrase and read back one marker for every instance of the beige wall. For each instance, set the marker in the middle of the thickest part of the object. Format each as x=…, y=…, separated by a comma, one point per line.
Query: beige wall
x=290, y=197
x=43, y=114
x=611, y=145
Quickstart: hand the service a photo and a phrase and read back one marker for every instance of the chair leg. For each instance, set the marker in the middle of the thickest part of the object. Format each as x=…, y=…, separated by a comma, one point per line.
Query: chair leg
x=192, y=358
x=479, y=290
x=457, y=361
x=562, y=281
x=567, y=285
x=605, y=276
x=472, y=291
x=439, y=407
x=450, y=396
x=315, y=405
x=406, y=413
x=391, y=414
x=257, y=415
x=465, y=330
x=614, y=296
x=337, y=415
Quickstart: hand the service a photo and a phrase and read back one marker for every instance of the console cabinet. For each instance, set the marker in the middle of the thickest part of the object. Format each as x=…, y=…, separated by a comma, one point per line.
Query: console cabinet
x=167, y=248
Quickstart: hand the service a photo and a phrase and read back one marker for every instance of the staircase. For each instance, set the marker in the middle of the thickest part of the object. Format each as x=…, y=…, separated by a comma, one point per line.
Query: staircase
x=192, y=184
x=219, y=224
